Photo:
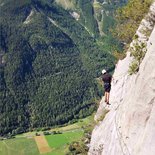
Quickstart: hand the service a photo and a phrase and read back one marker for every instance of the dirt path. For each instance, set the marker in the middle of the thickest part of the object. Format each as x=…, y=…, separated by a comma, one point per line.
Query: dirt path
x=42, y=144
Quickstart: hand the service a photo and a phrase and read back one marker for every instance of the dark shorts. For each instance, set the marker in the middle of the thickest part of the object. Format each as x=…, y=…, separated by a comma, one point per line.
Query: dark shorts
x=107, y=87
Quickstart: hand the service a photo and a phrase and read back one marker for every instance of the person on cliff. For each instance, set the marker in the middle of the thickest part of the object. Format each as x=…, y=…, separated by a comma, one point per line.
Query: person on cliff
x=106, y=78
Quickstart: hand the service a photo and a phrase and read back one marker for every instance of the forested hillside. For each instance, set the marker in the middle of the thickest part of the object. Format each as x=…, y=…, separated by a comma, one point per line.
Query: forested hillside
x=105, y=11
x=97, y=16
x=48, y=66
x=82, y=11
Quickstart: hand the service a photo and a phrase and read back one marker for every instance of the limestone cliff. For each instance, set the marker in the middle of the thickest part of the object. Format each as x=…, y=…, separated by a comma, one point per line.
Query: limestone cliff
x=129, y=126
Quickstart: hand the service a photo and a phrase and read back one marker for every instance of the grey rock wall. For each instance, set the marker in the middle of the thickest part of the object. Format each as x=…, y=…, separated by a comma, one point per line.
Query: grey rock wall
x=129, y=126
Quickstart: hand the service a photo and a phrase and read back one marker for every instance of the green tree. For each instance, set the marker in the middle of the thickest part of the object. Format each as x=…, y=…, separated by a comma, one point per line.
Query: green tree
x=129, y=18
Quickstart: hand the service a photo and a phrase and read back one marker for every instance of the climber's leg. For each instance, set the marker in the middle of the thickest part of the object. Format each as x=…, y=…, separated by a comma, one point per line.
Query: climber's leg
x=105, y=96
x=107, y=87
x=108, y=96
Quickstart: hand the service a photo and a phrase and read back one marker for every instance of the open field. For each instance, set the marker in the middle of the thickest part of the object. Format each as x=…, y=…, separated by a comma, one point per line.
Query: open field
x=78, y=125
x=53, y=144
x=67, y=4
x=97, y=5
x=25, y=144
x=18, y=146
x=60, y=142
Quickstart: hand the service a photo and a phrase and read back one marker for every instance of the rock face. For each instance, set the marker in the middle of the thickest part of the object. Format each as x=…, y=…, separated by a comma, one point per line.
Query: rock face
x=129, y=126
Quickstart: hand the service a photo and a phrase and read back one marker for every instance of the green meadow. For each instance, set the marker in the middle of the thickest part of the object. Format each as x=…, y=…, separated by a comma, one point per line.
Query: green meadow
x=19, y=146
x=25, y=144
x=60, y=142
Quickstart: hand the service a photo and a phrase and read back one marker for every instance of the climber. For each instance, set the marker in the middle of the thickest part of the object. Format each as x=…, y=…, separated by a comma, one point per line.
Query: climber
x=106, y=78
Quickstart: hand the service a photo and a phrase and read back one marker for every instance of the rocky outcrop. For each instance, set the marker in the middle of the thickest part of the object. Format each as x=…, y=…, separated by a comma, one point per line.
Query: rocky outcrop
x=129, y=126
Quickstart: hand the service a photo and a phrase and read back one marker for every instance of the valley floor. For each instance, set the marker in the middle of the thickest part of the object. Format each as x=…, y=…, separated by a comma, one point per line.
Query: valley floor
x=55, y=144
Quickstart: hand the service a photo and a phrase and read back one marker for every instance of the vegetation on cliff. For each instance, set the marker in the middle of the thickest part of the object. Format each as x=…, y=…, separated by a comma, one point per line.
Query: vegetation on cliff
x=129, y=17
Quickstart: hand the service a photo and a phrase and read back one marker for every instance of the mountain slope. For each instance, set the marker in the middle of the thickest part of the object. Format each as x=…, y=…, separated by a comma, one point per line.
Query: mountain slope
x=84, y=13
x=48, y=63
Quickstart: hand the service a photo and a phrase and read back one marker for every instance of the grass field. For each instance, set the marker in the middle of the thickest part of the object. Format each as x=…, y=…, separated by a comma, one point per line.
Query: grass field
x=59, y=142
x=18, y=146
x=97, y=5
x=78, y=125
x=67, y=4
x=25, y=144
x=22, y=146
